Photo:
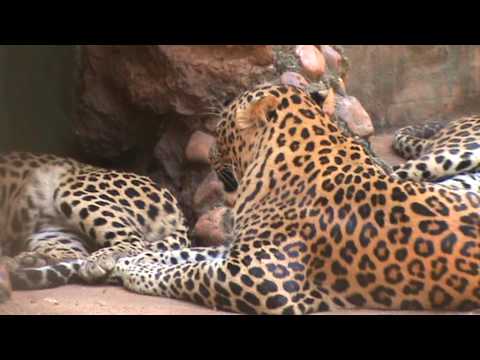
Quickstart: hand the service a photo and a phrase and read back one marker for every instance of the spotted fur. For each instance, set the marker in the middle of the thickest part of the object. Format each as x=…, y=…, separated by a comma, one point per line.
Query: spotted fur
x=448, y=154
x=61, y=220
x=318, y=225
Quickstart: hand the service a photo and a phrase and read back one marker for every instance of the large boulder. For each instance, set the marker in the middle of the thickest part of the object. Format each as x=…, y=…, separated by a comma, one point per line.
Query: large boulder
x=123, y=89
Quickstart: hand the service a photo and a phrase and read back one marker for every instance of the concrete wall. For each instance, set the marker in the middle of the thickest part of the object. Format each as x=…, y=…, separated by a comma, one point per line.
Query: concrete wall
x=36, y=97
x=405, y=84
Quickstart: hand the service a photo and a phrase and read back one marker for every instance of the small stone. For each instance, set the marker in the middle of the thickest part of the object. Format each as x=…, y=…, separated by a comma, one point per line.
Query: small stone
x=312, y=61
x=341, y=85
x=229, y=199
x=294, y=79
x=329, y=103
x=352, y=112
x=332, y=58
x=212, y=228
x=198, y=147
x=208, y=194
x=51, y=301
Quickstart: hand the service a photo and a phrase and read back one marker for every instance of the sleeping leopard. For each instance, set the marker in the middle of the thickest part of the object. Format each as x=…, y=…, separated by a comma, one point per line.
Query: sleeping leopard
x=63, y=221
x=443, y=153
x=318, y=224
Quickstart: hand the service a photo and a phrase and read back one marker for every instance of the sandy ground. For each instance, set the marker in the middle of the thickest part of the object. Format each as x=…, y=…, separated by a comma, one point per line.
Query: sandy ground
x=86, y=300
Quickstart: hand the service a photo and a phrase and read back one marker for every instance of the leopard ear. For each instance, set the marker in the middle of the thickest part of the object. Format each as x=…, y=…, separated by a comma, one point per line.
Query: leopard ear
x=255, y=112
x=329, y=103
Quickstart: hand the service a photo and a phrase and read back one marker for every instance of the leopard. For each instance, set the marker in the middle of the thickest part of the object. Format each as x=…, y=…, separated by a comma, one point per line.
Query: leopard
x=441, y=152
x=64, y=221
x=317, y=224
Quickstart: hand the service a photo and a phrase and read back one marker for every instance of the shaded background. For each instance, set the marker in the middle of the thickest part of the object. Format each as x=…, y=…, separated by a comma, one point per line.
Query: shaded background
x=37, y=84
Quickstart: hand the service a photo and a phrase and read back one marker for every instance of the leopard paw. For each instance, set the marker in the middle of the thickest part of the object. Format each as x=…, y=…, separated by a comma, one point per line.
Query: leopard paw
x=31, y=260
x=97, y=269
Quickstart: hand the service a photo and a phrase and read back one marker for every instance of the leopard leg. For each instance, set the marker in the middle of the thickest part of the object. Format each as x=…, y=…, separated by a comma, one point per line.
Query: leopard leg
x=52, y=258
x=51, y=245
x=469, y=182
x=99, y=264
x=222, y=283
x=437, y=167
x=176, y=241
x=181, y=256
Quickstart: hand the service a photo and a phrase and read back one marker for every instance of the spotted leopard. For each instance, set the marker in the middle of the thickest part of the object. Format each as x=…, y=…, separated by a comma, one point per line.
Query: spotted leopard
x=444, y=153
x=318, y=225
x=61, y=220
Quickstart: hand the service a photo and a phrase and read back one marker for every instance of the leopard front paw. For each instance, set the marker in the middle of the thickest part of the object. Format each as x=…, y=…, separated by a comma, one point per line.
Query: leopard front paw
x=97, y=269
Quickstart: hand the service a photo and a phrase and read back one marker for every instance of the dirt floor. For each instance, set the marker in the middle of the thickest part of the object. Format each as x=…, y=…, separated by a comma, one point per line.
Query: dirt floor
x=85, y=300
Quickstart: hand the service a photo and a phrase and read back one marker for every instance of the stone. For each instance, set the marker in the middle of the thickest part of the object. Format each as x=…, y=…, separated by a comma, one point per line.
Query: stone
x=332, y=58
x=208, y=194
x=311, y=60
x=329, y=105
x=198, y=147
x=229, y=199
x=213, y=228
x=51, y=301
x=349, y=109
x=294, y=79
x=5, y=285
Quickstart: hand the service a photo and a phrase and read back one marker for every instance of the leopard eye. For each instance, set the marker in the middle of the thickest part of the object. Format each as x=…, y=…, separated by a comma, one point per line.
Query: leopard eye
x=317, y=97
x=228, y=101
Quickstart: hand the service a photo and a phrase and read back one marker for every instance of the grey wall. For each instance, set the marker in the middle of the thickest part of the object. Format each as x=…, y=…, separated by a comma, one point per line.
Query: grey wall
x=36, y=97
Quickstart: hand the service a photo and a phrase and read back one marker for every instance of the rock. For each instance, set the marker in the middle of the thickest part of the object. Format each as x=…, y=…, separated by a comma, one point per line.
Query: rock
x=125, y=89
x=198, y=147
x=332, y=58
x=350, y=110
x=213, y=228
x=208, y=194
x=51, y=301
x=229, y=199
x=170, y=149
x=5, y=285
x=312, y=61
x=294, y=79
x=329, y=105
